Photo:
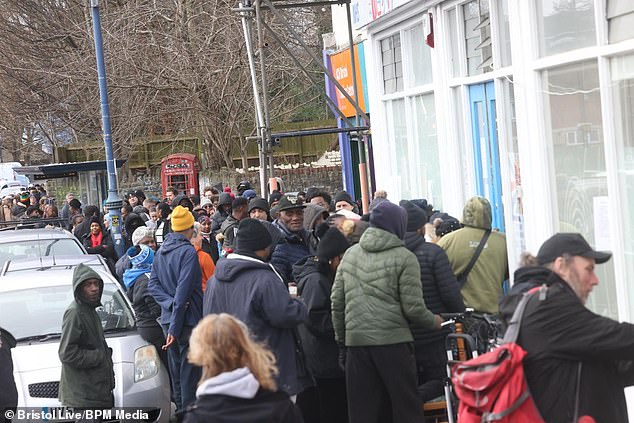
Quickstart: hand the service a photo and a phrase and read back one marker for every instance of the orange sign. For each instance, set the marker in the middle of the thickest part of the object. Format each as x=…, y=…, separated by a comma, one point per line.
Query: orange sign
x=342, y=70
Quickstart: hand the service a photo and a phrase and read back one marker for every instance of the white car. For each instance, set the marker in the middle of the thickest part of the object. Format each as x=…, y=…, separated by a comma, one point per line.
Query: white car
x=33, y=297
x=11, y=188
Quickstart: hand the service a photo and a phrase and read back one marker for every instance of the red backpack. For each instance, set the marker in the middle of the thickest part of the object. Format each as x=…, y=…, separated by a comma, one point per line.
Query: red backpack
x=492, y=386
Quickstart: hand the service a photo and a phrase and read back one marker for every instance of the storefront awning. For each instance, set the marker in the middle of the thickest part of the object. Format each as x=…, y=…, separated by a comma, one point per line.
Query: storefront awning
x=62, y=170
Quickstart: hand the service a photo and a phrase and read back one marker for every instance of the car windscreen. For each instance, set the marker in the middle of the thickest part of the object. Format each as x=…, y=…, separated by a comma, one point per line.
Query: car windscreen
x=37, y=313
x=39, y=248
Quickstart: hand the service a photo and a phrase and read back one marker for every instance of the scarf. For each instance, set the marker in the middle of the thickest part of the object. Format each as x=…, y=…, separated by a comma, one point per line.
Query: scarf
x=96, y=239
x=141, y=263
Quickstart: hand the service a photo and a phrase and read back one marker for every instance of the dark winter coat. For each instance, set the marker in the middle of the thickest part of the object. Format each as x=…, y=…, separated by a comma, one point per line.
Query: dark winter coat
x=87, y=372
x=558, y=332
x=266, y=407
x=289, y=250
x=175, y=283
x=440, y=287
x=9, y=391
x=314, y=285
x=229, y=228
x=146, y=308
x=250, y=290
x=105, y=249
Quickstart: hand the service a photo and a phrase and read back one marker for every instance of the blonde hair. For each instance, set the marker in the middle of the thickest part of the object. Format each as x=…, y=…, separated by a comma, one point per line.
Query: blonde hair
x=221, y=343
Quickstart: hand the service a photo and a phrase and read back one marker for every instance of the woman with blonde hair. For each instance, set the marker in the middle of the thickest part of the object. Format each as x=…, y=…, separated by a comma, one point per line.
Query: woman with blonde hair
x=238, y=376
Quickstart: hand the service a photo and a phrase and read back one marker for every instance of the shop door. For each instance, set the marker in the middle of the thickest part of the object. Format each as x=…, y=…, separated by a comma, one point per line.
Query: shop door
x=486, y=154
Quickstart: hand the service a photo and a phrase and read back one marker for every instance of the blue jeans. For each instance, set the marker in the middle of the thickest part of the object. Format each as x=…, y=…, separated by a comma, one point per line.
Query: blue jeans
x=185, y=376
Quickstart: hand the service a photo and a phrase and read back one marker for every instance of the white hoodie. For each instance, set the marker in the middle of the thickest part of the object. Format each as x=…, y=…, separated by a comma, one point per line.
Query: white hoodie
x=238, y=383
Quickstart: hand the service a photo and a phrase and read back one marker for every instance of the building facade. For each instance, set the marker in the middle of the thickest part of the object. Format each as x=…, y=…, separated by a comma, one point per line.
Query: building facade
x=527, y=102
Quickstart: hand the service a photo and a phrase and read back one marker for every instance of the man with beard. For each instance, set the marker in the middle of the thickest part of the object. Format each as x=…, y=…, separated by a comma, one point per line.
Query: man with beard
x=87, y=372
x=577, y=362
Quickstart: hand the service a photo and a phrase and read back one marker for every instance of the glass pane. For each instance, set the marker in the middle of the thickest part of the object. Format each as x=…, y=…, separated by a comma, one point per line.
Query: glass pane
x=419, y=52
x=579, y=165
x=517, y=210
x=477, y=32
x=400, y=146
x=453, y=41
x=392, y=64
x=427, y=173
x=566, y=25
x=623, y=83
x=483, y=145
x=505, y=35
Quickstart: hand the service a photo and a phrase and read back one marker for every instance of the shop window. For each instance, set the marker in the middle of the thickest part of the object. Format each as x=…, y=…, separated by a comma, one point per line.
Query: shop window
x=419, y=57
x=427, y=172
x=477, y=31
x=391, y=59
x=396, y=119
x=578, y=166
x=566, y=25
x=622, y=71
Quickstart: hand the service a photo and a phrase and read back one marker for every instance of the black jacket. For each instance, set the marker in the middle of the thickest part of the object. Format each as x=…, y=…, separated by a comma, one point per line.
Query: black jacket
x=145, y=306
x=317, y=334
x=9, y=392
x=292, y=247
x=440, y=288
x=105, y=249
x=266, y=407
x=558, y=332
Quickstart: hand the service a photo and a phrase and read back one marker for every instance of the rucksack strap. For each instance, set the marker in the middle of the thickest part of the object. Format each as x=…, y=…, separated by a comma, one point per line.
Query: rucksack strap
x=493, y=417
x=513, y=329
x=462, y=278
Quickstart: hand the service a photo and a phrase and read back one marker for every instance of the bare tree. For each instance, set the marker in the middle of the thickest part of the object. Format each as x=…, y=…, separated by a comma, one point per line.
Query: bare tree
x=174, y=67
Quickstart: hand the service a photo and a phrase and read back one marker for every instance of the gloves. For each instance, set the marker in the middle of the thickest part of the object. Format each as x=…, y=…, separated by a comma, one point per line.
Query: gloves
x=342, y=356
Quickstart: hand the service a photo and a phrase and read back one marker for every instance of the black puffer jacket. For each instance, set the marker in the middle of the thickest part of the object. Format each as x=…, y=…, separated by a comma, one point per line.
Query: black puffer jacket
x=317, y=333
x=440, y=288
x=145, y=306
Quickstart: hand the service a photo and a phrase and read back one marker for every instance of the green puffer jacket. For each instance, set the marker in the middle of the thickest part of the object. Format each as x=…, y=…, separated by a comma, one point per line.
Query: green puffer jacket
x=377, y=292
x=87, y=371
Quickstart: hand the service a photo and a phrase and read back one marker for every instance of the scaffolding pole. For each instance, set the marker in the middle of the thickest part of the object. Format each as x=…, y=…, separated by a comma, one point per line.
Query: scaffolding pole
x=259, y=114
x=252, y=10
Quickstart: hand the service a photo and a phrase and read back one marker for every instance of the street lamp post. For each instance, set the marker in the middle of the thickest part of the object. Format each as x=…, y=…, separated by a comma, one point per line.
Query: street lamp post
x=113, y=202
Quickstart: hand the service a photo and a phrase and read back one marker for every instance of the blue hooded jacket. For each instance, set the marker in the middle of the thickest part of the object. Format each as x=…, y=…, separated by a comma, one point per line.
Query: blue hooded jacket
x=175, y=283
x=252, y=291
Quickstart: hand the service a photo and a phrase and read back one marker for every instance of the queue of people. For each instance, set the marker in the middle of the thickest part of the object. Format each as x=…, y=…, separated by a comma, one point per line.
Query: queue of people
x=310, y=309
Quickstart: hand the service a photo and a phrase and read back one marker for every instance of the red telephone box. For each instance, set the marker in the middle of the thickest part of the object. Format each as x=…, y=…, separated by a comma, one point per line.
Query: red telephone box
x=181, y=172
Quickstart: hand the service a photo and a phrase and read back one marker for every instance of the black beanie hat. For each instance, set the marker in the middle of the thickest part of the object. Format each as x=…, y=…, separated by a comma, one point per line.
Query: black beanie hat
x=332, y=244
x=344, y=196
x=389, y=217
x=252, y=236
x=275, y=196
x=415, y=215
x=259, y=203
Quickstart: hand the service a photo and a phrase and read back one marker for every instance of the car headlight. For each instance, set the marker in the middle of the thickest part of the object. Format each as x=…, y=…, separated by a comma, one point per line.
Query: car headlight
x=146, y=363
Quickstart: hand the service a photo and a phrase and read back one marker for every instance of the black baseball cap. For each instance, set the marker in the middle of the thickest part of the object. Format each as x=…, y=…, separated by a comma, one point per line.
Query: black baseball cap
x=569, y=243
x=289, y=203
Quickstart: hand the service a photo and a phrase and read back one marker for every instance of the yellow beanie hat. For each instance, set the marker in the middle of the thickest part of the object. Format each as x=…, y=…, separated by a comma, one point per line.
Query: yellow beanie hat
x=181, y=219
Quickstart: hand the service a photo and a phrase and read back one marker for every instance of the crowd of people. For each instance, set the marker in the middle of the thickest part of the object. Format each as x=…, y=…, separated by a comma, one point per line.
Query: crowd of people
x=308, y=308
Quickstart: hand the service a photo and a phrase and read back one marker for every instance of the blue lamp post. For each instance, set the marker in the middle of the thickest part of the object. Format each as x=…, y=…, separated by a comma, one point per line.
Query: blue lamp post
x=113, y=202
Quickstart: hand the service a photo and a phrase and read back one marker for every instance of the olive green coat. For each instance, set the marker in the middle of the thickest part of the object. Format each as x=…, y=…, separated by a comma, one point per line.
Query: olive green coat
x=377, y=292
x=87, y=371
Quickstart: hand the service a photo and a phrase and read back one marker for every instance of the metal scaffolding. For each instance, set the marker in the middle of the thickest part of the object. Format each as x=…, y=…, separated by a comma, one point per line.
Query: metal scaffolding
x=252, y=14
